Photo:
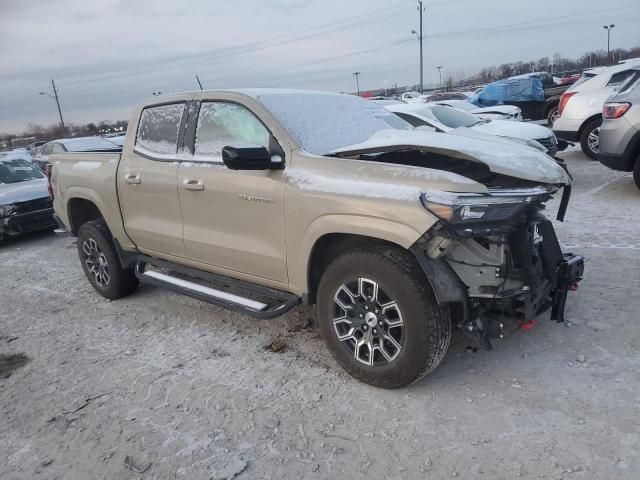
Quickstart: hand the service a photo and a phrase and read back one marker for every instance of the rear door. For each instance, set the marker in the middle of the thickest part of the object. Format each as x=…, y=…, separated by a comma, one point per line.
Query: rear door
x=147, y=181
x=233, y=220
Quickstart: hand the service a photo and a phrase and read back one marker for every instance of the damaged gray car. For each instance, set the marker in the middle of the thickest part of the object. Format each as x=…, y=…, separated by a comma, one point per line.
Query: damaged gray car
x=25, y=204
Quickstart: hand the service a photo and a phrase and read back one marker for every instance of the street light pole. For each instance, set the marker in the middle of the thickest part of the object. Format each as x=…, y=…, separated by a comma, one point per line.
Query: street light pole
x=440, y=74
x=421, y=9
x=357, y=74
x=55, y=97
x=608, y=28
x=55, y=93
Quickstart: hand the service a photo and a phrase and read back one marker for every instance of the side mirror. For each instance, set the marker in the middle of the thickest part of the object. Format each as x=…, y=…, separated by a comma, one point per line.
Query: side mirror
x=250, y=157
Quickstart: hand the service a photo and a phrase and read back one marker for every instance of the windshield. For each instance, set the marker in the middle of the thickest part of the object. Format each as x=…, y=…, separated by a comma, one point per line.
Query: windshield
x=453, y=118
x=322, y=122
x=17, y=170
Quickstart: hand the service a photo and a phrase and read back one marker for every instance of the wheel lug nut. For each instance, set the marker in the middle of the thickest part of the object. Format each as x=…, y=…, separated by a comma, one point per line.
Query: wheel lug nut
x=365, y=327
x=375, y=331
x=380, y=323
x=361, y=316
x=366, y=307
x=375, y=311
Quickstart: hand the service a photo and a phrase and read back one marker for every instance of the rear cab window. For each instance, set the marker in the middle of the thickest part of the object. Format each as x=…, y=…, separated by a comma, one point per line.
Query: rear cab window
x=159, y=130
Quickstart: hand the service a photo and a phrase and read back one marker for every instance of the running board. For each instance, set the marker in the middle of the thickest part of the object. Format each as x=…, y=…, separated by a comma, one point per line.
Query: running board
x=216, y=289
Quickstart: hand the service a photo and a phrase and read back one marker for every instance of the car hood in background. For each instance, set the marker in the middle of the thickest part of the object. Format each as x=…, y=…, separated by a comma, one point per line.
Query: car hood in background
x=507, y=128
x=23, y=191
x=503, y=109
x=501, y=156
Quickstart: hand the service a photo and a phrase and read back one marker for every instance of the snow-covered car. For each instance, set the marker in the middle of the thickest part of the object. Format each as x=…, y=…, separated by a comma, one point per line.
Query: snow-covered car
x=446, y=119
x=580, y=109
x=25, y=204
x=497, y=112
x=79, y=144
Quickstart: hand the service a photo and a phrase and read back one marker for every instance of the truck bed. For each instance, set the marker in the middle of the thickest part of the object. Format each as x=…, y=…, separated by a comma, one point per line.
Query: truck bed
x=90, y=176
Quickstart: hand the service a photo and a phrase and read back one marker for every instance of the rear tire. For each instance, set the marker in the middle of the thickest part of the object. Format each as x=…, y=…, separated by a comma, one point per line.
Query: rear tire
x=552, y=115
x=636, y=172
x=380, y=319
x=589, y=141
x=100, y=261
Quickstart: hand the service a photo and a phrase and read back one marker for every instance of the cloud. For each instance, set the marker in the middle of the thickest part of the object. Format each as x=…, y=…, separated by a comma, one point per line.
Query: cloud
x=107, y=55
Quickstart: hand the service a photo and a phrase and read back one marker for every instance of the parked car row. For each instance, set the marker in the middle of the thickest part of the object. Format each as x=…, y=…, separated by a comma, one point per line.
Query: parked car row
x=580, y=109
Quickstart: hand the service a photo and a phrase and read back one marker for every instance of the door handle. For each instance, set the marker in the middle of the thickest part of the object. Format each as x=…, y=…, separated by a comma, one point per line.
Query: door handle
x=194, y=185
x=132, y=179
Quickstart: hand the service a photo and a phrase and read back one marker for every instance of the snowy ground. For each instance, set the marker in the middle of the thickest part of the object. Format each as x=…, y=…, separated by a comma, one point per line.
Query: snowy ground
x=174, y=388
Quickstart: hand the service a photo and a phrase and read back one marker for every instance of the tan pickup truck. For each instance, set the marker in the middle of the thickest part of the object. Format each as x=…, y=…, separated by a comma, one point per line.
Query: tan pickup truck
x=258, y=200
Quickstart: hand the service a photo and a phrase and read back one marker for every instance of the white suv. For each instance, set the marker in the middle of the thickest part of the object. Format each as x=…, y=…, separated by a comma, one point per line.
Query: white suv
x=580, y=107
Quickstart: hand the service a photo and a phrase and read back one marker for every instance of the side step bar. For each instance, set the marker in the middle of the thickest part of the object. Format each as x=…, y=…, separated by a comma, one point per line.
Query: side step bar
x=216, y=289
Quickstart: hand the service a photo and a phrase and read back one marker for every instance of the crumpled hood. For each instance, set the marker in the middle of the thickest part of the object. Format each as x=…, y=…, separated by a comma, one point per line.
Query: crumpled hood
x=507, y=128
x=501, y=156
x=23, y=191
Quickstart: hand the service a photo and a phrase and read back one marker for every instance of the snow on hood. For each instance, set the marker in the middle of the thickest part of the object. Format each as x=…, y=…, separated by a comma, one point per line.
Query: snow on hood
x=501, y=157
x=507, y=128
x=506, y=109
x=23, y=191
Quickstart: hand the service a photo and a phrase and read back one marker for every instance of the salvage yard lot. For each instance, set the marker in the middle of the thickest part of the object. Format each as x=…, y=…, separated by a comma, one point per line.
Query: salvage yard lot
x=157, y=385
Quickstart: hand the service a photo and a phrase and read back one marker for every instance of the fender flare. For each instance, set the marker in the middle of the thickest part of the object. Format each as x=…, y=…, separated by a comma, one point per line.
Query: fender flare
x=373, y=227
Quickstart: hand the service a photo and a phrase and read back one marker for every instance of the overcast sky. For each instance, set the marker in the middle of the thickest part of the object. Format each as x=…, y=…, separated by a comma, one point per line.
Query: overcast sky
x=107, y=55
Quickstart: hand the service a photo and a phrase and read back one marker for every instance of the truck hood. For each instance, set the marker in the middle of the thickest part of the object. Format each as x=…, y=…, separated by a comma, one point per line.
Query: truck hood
x=507, y=128
x=23, y=191
x=501, y=156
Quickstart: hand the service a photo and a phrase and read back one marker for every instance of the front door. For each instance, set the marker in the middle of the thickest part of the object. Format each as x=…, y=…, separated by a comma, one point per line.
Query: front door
x=233, y=220
x=148, y=179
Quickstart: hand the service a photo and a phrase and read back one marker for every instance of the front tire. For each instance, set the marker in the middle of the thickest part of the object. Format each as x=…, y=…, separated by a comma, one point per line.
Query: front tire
x=590, y=139
x=100, y=261
x=380, y=319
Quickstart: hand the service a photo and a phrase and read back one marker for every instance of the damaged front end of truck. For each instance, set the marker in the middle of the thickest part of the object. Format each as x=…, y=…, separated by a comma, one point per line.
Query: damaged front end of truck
x=506, y=255
x=492, y=257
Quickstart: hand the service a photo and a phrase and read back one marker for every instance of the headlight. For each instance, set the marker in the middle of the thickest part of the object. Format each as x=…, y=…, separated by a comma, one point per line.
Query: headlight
x=453, y=208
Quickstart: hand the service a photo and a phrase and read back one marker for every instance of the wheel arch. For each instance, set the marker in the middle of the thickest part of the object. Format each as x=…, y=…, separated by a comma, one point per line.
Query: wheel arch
x=330, y=246
x=81, y=210
x=587, y=122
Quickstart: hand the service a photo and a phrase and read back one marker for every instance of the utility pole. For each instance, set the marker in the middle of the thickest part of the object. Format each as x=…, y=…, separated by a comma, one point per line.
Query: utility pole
x=440, y=74
x=199, y=84
x=55, y=97
x=420, y=36
x=357, y=74
x=608, y=28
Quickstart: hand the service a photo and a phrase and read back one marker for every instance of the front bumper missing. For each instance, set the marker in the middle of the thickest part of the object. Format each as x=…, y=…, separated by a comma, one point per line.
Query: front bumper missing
x=27, y=222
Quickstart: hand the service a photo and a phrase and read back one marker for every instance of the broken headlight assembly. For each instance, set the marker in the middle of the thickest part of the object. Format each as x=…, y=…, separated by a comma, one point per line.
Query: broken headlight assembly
x=476, y=209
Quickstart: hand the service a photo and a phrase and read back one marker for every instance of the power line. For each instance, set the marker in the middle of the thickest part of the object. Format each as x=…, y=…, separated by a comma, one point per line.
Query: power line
x=204, y=57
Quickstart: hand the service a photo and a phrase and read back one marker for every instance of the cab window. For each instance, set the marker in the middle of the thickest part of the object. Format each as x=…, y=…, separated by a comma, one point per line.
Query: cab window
x=159, y=129
x=221, y=124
